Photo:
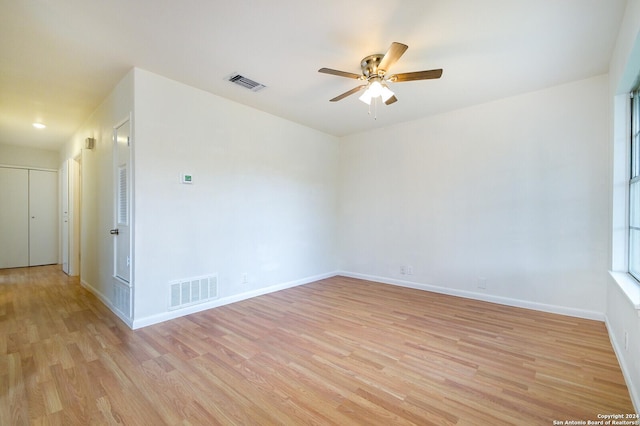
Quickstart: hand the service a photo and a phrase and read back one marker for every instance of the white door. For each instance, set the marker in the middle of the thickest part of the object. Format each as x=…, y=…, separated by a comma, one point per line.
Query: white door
x=74, y=205
x=14, y=218
x=122, y=228
x=64, y=211
x=43, y=217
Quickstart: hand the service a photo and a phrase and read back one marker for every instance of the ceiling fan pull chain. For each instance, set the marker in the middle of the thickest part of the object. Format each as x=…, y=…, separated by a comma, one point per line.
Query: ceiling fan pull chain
x=375, y=108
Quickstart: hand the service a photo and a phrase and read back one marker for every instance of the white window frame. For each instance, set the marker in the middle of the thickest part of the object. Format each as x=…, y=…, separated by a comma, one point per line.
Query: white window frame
x=633, y=244
x=621, y=171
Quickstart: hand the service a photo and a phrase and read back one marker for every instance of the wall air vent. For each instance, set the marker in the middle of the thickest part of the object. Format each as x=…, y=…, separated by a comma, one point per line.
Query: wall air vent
x=245, y=82
x=191, y=291
x=121, y=298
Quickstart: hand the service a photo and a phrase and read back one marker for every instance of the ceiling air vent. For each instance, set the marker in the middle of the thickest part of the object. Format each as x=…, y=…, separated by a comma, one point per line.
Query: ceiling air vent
x=245, y=82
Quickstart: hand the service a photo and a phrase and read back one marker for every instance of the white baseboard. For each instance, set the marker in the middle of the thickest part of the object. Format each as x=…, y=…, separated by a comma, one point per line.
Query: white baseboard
x=634, y=393
x=518, y=303
x=165, y=316
x=105, y=300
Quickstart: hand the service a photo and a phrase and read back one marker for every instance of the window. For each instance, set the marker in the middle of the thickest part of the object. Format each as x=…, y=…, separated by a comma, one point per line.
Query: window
x=634, y=188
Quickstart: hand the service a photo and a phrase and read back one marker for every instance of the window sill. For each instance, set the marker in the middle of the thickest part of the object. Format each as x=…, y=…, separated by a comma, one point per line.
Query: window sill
x=629, y=286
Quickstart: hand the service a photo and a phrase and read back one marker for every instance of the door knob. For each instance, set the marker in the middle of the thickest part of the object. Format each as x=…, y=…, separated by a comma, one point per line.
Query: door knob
x=114, y=231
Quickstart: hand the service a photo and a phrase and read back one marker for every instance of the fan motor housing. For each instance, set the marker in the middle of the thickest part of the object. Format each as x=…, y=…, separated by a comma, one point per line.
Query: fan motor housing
x=370, y=65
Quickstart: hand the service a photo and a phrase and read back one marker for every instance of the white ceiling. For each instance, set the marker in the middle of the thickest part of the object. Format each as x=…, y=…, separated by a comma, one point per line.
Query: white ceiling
x=60, y=58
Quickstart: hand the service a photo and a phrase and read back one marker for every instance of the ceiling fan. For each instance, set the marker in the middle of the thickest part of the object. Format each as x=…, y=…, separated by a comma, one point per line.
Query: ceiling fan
x=374, y=73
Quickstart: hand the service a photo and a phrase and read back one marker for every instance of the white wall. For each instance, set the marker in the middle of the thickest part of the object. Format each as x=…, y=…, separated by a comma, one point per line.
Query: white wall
x=622, y=316
x=13, y=155
x=262, y=202
x=97, y=215
x=514, y=191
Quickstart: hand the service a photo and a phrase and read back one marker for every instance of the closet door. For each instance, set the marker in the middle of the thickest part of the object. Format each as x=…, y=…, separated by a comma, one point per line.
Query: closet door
x=43, y=217
x=14, y=218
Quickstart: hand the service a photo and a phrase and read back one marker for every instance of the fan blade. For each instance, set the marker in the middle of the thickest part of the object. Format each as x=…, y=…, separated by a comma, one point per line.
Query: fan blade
x=393, y=54
x=339, y=73
x=349, y=93
x=391, y=100
x=417, y=75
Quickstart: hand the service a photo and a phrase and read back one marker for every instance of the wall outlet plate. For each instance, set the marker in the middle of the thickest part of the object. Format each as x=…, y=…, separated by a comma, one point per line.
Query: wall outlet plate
x=626, y=340
x=482, y=283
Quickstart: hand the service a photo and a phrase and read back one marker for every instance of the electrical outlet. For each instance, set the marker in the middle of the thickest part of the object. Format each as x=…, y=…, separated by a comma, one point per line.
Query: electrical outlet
x=409, y=270
x=482, y=283
x=403, y=270
x=626, y=340
x=245, y=278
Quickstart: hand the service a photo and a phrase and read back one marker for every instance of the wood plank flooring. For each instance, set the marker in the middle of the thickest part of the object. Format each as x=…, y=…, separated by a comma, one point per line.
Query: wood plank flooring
x=336, y=352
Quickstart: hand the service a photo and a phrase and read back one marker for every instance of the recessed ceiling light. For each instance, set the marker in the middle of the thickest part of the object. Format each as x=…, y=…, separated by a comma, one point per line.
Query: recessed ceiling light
x=39, y=125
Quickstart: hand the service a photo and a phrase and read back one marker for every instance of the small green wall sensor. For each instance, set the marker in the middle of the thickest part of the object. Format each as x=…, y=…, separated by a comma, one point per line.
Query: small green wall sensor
x=187, y=178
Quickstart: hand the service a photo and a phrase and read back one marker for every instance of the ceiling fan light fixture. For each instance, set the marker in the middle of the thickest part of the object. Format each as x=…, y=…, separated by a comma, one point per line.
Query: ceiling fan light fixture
x=376, y=89
x=386, y=93
x=374, y=72
x=366, y=97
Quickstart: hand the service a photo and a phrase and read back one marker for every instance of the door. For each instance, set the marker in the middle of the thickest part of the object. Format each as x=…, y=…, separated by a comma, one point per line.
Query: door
x=43, y=217
x=64, y=211
x=122, y=228
x=14, y=218
x=75, y=205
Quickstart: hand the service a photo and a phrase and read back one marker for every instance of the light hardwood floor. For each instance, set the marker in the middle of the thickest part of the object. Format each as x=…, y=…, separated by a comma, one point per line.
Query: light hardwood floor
x=339, y=351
